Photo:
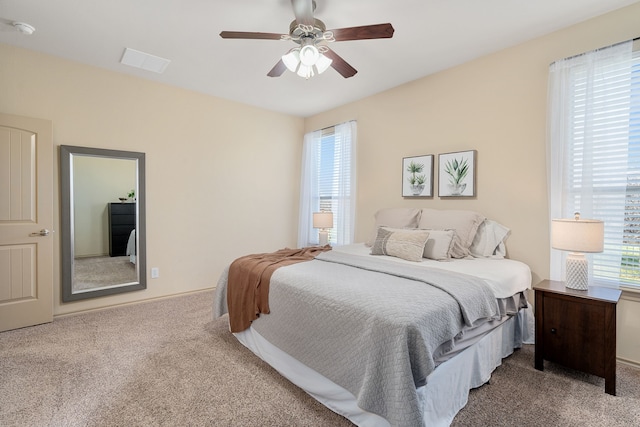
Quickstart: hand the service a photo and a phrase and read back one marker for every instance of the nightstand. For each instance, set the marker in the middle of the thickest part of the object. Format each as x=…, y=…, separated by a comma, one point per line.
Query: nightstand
x=577, y=329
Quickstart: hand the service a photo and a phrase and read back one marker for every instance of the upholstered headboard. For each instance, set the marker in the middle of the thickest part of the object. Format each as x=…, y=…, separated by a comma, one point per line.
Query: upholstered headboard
x=467, y=233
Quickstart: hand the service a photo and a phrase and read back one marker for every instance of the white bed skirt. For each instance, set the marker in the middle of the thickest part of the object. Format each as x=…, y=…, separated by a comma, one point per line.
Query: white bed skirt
x=447, y=388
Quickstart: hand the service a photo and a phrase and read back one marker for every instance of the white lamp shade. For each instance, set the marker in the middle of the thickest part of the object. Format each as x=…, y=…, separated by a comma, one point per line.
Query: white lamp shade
x=577, y=235
x=309, y=55
x=291, y=60
x=322, y=219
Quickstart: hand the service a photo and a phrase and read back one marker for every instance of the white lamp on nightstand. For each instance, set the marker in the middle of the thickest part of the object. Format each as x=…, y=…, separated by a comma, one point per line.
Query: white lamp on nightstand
x=323, y=220
x=577, y=236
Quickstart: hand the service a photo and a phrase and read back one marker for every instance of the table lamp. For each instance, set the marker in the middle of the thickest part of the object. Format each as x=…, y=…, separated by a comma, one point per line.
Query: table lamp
x=323, y=220
x=577, y=236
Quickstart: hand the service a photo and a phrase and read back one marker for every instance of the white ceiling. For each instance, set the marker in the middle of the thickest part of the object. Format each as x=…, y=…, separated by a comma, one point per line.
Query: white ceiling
x=430, y=35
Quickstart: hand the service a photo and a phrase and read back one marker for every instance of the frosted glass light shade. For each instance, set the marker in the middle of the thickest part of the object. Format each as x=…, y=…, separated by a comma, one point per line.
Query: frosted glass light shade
x=306, y=61
x=305, y=71
x=309, y=55
x=291, y=60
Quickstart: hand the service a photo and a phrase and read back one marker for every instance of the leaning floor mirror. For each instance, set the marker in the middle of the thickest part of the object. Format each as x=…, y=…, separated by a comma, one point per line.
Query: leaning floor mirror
x=102, y=222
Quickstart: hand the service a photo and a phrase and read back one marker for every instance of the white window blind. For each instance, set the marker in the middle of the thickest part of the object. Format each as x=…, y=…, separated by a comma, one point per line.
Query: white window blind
x=328, y=183
x=595, y=151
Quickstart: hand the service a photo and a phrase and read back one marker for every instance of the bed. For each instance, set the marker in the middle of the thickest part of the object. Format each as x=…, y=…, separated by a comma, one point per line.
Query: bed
x=131, y=247
x=390, y=339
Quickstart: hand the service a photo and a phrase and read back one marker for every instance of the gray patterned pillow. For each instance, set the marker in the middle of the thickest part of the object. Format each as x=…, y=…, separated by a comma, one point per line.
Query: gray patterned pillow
x=405, y=244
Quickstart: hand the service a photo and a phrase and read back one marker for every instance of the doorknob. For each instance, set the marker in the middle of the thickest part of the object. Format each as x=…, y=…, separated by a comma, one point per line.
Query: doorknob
x=43, y=232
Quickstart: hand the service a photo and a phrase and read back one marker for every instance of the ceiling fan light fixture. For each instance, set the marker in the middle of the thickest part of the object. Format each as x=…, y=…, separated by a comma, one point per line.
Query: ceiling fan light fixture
x=291, y=60
x=309, y=55
x=305, y=71
x=311, y=36
x=323, y=63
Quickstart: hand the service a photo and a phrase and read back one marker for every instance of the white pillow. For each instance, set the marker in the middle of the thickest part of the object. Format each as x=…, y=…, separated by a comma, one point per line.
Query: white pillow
x=394, y=218
x=439, y=244
x=465, y=224
x=489, y=237
x=405, y=244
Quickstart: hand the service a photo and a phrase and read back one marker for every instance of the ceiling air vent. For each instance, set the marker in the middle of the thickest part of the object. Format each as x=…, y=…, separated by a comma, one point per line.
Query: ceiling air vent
x=145, y=61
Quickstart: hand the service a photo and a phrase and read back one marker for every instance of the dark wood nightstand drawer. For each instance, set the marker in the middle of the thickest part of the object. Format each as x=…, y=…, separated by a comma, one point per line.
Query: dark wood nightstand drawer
x=577, y=329
x=572, y=332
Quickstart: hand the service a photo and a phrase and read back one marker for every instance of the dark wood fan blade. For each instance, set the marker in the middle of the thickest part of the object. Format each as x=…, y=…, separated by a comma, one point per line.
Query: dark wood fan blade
x=249, y=35
x=303, y=10
x=340, y=65
x=277, y=70
x=378, y=31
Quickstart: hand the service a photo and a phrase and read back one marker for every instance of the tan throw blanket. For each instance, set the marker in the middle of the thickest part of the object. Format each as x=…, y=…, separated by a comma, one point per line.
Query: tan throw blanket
x=249, y=278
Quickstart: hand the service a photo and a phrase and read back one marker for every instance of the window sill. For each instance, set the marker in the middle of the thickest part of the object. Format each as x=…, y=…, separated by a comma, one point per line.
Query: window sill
x=630, y=293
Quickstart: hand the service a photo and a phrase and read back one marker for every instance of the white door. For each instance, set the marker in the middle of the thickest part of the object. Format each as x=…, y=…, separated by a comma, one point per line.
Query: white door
x=26, y=222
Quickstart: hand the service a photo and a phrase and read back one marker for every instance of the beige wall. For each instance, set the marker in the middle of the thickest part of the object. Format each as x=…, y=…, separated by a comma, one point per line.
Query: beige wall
x=217, y=171
x=496, y=105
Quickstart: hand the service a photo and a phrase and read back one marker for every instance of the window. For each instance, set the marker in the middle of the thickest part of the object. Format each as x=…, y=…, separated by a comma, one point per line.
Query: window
x=595, y=155
x=328, y=183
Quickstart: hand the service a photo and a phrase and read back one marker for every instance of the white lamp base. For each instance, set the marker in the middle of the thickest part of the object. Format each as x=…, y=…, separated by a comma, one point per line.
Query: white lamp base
x=577, y=272
x=324, y=237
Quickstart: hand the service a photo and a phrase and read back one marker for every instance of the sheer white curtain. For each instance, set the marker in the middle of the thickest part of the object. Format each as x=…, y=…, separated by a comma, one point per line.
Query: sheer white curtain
x=309, y=189
x=328, y=182
x=588, y=148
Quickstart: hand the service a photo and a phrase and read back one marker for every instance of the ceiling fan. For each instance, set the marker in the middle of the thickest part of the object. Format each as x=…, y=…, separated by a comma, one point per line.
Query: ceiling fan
x=313, y=56
x=21, y=27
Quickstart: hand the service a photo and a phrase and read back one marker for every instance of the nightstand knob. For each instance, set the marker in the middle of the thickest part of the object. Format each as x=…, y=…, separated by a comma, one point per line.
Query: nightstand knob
x=553, y=330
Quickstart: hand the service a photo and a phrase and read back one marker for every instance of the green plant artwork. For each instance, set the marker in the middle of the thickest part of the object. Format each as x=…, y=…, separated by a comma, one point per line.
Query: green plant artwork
x=131, y=194
x=457, y=170
x=414, y=169
x=457, y=174
x=417, y=176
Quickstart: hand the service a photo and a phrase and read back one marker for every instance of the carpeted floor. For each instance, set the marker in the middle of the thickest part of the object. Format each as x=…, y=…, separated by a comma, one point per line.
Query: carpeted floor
x=519, y=395
x=167, y=363
x=96, y=272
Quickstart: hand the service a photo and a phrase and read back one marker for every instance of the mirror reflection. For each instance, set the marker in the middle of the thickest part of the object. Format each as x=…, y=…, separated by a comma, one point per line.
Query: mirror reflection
x=103, y=222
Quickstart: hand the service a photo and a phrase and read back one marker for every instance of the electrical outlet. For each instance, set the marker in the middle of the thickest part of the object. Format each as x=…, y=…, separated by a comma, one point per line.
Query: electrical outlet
x=155, y=272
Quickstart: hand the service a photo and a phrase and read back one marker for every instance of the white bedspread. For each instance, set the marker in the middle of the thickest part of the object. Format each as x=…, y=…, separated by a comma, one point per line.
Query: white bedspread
x=505, y=277
x=131, y=246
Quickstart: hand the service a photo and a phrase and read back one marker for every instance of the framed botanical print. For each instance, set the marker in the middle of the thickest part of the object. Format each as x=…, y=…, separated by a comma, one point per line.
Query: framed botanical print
x=417, y=176
x=457, y=174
